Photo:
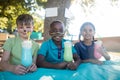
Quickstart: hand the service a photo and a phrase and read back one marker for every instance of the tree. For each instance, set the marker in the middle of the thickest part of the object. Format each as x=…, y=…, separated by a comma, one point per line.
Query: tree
x=10, y=9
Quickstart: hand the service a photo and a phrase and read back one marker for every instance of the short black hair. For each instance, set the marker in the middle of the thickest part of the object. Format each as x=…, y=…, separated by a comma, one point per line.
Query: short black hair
x=55, y=22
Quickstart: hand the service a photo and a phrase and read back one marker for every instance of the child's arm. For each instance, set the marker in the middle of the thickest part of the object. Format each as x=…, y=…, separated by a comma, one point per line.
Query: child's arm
x=6, y=66
x=104, y=53
x=41, y=62
x=100, y=48
x=76, y=59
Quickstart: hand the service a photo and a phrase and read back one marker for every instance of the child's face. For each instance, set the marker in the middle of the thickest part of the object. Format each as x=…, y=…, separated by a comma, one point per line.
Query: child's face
x=23, y=29
x=88, y=32
x=57, y=32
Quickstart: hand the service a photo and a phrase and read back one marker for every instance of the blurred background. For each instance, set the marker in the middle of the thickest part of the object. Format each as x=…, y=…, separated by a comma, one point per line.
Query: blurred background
x=104, y=14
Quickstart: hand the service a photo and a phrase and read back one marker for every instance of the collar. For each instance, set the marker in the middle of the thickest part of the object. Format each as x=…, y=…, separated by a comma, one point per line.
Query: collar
x=18, y=38
x=53, y=45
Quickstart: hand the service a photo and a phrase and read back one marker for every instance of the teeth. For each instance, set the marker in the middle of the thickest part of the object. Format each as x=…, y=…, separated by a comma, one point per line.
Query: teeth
x=57, y=37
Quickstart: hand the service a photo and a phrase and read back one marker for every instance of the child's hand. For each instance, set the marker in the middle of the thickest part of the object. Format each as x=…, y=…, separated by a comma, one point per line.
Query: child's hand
x=104, y=53
x=32, y=68
x=72, y=65
x=19, y=69
x=62, y=65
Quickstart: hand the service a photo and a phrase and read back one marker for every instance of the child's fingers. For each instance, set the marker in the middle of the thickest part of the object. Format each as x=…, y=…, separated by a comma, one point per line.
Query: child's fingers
x=20, y=69
x=33, y=67
x=72, y=66
x=28, y=69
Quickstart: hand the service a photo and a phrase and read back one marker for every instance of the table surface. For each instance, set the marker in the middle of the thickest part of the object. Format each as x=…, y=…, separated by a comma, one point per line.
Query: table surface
x=86, y=71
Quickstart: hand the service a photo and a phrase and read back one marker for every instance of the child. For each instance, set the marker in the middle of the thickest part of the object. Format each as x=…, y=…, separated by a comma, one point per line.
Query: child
x=11, y=60
x=50, y=55
x=85, y=48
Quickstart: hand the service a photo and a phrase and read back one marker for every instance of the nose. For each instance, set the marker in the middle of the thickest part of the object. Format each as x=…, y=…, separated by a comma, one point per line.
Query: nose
x=24, y=30
x=87, y=32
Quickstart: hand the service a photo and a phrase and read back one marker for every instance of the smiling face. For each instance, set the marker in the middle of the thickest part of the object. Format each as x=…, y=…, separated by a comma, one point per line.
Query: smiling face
x=23, y=30
x=24, y=25
x=57, y=31
x=88, y=32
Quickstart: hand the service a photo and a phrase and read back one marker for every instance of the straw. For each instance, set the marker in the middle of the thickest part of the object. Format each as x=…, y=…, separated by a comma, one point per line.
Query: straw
x=28, y=34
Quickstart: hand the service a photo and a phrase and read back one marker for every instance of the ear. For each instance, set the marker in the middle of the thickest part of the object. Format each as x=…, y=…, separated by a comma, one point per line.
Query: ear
x=32, y=28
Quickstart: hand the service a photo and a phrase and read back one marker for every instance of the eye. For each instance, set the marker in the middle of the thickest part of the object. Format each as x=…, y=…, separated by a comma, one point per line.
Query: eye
x=28, y=27
x=90, y=30
x=84, y=30
x=54, y=31
x=61, y=30
x=20, y=27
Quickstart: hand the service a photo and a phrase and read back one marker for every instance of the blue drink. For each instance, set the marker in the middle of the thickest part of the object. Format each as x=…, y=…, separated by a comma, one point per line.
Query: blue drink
x=26, y=55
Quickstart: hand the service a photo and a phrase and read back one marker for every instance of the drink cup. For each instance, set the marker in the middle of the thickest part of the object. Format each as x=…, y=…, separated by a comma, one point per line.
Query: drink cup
x=98, y=44
x=26, y=59
x=68, y=56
